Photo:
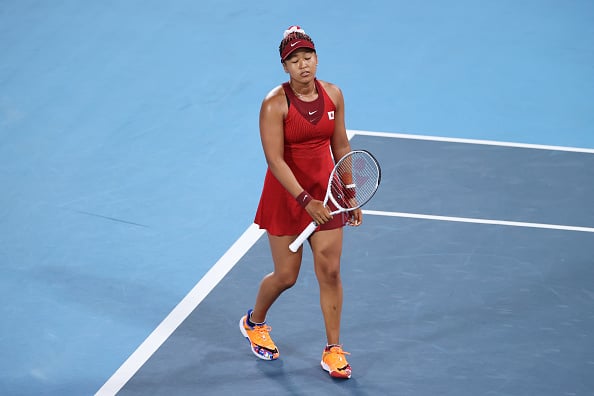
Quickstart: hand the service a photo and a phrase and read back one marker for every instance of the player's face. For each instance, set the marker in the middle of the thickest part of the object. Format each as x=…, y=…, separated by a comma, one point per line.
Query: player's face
x=302, y=65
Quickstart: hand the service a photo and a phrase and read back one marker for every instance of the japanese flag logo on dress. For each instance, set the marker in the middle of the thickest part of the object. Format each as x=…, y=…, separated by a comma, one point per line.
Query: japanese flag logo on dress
x=330, y=115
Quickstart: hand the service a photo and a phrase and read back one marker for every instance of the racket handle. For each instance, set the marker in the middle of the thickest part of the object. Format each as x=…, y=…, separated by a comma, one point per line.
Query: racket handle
x=296, y=244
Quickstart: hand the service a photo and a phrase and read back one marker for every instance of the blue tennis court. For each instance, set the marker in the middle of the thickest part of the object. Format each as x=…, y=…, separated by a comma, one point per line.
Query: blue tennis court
x=131, y=168
x=434, y=305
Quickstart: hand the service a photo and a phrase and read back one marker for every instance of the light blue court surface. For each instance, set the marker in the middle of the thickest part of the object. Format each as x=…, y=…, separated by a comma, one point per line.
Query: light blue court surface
x=130, y=160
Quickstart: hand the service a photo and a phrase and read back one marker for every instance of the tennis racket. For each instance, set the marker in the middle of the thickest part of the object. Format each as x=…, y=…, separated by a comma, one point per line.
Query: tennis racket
x=352, y=183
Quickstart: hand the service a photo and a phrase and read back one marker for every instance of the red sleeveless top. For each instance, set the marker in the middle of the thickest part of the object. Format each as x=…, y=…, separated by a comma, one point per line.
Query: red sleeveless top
x=307, y=152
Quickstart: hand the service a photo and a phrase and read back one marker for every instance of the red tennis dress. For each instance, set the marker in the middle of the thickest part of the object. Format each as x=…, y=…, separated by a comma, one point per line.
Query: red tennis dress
x=308, y=128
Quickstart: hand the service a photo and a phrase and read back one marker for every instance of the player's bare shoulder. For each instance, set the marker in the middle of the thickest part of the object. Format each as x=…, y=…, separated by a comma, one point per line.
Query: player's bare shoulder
x=275, y=100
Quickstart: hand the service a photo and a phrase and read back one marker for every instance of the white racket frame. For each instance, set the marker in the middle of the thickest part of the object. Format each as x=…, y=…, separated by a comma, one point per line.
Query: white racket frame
x=306, y=233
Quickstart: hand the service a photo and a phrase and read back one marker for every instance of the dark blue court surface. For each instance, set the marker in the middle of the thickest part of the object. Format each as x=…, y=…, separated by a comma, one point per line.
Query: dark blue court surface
x=432, y=307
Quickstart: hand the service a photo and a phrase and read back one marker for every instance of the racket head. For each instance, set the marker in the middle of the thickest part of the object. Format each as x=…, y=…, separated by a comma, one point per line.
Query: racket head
x=354, y=180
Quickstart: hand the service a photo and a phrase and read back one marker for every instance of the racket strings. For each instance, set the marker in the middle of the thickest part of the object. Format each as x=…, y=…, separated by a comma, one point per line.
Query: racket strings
x=356, y=180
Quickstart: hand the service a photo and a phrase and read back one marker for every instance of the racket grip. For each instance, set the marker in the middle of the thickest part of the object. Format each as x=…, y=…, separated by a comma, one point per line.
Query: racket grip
x=296, y=244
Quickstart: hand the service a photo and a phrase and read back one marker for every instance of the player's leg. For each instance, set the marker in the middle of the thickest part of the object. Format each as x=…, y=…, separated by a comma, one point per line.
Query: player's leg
x=286, y=270
x=327, y=249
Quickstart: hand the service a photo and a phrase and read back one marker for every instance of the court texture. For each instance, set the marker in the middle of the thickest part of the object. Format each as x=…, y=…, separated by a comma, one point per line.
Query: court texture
x=131, y=168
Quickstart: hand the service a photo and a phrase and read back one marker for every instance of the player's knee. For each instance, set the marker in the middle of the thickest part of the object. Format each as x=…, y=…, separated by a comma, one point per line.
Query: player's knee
x=328, y=272
x=286, y=281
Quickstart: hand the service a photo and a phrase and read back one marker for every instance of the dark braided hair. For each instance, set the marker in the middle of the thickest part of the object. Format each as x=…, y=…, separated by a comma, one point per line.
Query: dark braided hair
x=293, y=36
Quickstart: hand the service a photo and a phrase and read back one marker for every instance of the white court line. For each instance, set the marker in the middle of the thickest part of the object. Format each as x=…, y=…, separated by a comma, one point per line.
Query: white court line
x=141, y=355
x=479, y=221
x=353, y=132
x=180, y=312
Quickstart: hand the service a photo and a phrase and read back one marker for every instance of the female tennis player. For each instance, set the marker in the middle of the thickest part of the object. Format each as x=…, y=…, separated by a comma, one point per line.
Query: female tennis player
x=302, y=129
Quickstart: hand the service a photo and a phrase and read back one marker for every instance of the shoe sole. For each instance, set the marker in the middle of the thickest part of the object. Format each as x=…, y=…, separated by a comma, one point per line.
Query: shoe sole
x=242, y=329
x=333, y=374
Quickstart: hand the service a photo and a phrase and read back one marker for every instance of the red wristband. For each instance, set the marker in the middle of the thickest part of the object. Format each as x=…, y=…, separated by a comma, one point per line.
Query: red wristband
x=303, y=199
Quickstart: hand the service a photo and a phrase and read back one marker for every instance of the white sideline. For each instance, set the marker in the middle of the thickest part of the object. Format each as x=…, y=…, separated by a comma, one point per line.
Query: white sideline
x=479, y=221
x=180, y=312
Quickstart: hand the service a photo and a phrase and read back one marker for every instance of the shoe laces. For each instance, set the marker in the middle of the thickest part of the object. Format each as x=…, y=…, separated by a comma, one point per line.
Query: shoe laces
x=336, y=355
x=262, y=331
x=337, y=349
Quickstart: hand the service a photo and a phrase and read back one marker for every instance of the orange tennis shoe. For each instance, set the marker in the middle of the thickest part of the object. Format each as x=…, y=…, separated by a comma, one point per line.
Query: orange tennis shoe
x=258, y=336
x=334, y=362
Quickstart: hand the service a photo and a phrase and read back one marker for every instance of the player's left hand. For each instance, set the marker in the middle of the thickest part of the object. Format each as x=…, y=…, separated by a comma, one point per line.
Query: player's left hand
x=355, y=218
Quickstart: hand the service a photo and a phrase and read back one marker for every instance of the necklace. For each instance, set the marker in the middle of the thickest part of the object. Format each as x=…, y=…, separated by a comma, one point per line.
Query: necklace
x=305, y=95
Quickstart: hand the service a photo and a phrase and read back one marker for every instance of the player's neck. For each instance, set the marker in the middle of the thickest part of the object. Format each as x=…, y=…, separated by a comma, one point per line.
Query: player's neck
x=304, y=91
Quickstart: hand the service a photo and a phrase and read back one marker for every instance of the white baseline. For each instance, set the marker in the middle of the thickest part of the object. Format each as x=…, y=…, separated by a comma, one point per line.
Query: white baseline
x=353, y=132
